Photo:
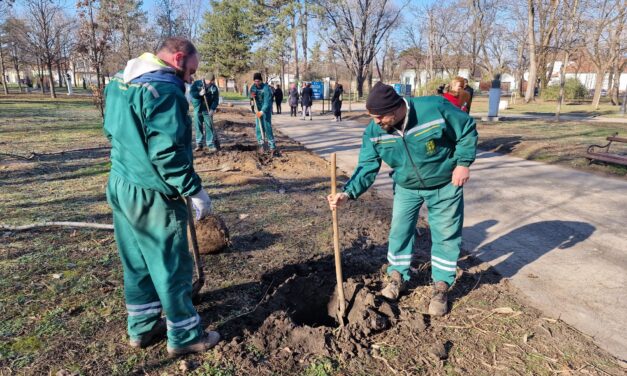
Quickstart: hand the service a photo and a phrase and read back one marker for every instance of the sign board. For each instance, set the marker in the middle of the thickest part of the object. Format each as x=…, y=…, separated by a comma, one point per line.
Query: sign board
x=318, y=89
x=398, y=88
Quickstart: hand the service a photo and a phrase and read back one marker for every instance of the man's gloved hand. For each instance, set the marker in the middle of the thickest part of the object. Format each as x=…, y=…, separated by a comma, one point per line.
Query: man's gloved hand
x=202, y=204
x=211, y=112
x=202, y=92
x=259, y=114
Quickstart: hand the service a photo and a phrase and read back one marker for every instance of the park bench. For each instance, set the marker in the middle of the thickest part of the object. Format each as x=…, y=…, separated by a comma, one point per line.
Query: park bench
x=602, y=153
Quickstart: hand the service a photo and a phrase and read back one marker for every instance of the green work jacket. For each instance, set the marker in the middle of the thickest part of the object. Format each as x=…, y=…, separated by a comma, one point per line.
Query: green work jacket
x=211, y=93
x=437, y=137
x=263, y=97
x=147, y=122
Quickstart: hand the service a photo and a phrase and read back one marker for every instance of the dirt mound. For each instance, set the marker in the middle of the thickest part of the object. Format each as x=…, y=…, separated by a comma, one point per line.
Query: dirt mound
x=212, y=233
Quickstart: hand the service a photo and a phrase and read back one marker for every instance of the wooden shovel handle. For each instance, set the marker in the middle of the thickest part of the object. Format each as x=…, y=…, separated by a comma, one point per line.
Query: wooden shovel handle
x=336, y=246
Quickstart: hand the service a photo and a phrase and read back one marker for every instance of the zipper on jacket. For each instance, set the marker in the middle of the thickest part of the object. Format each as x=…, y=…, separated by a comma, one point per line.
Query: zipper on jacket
x=412, y=163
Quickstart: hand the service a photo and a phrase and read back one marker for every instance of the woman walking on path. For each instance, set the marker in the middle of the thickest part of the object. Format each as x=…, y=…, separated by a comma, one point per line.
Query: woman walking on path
x=307, y=100
x=293, y=100
x=337, y=102
x=278, y=98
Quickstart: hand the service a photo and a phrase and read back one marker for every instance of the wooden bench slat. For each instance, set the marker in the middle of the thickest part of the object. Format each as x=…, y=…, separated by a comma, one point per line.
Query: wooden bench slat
x=608, y=158
x=617, y=139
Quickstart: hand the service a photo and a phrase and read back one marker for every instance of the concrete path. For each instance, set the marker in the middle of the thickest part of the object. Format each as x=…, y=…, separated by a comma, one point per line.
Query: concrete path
x=560, y=235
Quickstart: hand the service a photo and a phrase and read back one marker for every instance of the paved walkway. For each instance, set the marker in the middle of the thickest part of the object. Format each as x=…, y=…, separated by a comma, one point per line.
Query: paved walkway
x=557, y=233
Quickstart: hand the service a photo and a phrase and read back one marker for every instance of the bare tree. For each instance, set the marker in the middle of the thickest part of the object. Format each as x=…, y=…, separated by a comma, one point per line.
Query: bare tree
x=605, y=24
x=569, y=42
x=357, y=29
x=44, y=32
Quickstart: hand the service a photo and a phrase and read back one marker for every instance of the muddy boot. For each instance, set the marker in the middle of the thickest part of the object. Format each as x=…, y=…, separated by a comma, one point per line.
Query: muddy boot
x=439, y=301
x=206, y=343
x=198, y=148
x=394, y=287
x=275, y=153
x=155, y=334
x=261, y=150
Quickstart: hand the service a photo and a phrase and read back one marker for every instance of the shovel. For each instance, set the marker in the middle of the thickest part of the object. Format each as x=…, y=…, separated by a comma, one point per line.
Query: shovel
x=336, y=248
x=257, y=119
x=200, y=273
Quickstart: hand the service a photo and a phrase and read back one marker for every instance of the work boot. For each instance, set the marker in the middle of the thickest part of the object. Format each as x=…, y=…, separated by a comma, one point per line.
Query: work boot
x=275, y=153
x=394, y=287
x=207, y=342
x=439, y=301
x=211, y=150
x=261, y=150
x=155, y=334
x=198, y=148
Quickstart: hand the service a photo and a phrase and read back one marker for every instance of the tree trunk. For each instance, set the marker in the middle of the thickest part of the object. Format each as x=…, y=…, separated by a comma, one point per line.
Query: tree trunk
x=59, y=73
x=614, y=91
x=531, y=40
x=295, y=45
x=4, y=80
x=303, y=36
x=560, y=98
x=598, y=85
x=52, y=93
x=359, y=77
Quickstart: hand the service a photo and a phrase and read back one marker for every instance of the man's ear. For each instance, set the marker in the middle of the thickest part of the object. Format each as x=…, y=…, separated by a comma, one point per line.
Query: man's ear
x=179, y=57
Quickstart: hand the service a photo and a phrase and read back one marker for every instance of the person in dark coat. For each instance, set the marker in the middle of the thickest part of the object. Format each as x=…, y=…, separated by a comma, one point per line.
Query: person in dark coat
x=336, y=101
x=294, y=96
x=278, y=98
x=470, y=91
x=307, y=100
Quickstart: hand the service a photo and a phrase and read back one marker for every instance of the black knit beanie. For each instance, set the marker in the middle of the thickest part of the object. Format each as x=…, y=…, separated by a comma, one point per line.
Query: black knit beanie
x=257, y=76
x=383, y=99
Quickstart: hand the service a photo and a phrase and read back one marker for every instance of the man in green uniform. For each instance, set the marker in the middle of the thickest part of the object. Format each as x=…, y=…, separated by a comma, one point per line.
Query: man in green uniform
x=262, y=95
x=147, y=122
x=430, y=144
x=203, y=93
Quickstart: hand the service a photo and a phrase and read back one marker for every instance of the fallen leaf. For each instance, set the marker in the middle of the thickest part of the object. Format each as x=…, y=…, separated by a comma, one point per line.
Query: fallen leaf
x=244, y=216
x=56, y=276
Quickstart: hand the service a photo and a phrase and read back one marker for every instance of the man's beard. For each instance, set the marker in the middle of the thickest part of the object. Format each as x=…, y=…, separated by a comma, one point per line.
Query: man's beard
x=180, y=73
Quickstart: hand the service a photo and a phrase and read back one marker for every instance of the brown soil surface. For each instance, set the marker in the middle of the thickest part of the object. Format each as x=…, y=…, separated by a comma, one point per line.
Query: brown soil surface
x=212, y=234
x=271, y=294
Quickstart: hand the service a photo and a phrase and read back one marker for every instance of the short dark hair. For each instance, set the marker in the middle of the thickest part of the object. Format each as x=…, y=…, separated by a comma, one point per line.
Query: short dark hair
x=177, y=44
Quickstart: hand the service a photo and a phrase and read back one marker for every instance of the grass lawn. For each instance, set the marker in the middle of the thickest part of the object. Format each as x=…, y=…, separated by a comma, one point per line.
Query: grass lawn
x=563, y=143
x=540, y=107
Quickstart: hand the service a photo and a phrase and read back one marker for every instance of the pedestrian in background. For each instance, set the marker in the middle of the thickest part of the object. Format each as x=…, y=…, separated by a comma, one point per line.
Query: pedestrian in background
x=470, y=91
x=278, y=98
x=336, y=101
x=307, y=101
x=457, y=95
x=293, y=100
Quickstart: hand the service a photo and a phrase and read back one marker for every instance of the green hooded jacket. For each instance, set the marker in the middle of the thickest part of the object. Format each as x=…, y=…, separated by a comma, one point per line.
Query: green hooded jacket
x=147, y=122
x=437, y=137
x=211, y=93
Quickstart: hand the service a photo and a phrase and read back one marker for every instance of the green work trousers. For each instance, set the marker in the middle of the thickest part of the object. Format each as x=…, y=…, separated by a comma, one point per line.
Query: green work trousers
x=266, y=123
x=203, y=124
x=446, y=218
x=151, y=234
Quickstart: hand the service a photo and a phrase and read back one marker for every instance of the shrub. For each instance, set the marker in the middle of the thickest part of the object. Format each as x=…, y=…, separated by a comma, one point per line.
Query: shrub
x=573, y=89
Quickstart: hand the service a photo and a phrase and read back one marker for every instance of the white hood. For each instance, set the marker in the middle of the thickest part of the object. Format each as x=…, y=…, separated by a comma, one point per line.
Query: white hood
x=146, y=63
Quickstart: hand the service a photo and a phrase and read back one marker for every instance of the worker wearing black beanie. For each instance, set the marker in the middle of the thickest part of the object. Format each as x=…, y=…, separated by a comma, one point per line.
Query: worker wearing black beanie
x=383, y=99
x=430, y=144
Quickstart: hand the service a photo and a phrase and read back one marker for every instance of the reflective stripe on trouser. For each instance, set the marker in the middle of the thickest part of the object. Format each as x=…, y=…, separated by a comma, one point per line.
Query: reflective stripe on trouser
x=207, y=121
x=266, y=121
x=150, y=231
x=446, y=217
